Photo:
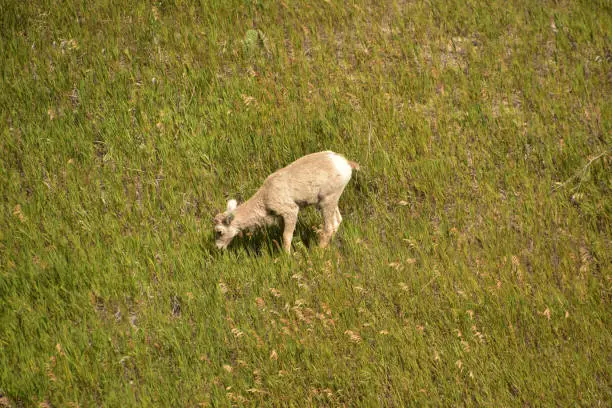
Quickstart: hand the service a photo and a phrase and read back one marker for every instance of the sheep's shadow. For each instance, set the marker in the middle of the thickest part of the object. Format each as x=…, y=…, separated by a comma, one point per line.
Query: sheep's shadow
x=270, y=239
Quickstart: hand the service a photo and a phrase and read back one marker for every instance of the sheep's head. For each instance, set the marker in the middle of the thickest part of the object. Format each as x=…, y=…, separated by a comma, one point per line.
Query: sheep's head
x=224, y=230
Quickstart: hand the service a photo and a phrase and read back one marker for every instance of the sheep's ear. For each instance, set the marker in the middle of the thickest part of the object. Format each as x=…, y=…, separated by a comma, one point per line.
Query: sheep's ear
x=231, y=205
x=228, y=220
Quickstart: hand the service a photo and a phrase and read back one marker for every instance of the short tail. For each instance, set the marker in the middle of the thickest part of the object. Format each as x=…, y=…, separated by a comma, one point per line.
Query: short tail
x=354, y=166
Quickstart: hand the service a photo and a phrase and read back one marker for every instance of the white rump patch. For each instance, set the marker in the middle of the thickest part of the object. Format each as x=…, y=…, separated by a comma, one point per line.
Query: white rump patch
x=343, y=167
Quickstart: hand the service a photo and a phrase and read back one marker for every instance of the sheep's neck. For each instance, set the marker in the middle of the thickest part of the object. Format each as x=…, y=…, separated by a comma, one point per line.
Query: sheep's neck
x=250, y=214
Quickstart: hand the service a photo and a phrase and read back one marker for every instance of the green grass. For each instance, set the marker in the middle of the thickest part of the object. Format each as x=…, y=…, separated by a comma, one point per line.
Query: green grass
x=473, y=264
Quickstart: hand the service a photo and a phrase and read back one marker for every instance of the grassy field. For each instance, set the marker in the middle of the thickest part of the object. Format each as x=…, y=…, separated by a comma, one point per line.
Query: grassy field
x=473, y=264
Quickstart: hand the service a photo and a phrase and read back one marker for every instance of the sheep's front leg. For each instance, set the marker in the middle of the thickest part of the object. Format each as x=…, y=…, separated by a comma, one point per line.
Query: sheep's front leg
x=289, y=221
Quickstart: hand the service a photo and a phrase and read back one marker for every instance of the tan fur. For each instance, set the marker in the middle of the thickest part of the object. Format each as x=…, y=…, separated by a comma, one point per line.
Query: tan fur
x=314, y=179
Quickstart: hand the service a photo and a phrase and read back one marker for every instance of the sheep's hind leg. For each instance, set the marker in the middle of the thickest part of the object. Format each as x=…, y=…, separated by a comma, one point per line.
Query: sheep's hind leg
x=337, y=220
x=329, y=211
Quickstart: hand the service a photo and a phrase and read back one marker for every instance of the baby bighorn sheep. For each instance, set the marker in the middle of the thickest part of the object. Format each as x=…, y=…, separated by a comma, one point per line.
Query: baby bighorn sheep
x=315, y=179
